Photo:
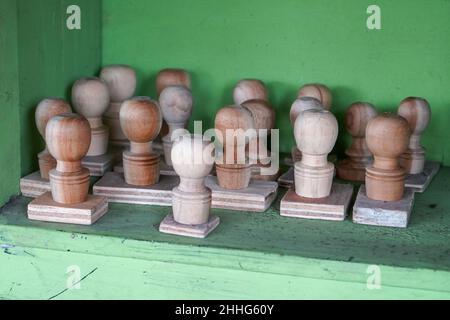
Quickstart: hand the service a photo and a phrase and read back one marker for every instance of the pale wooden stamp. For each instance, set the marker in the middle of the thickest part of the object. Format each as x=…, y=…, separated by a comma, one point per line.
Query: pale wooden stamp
x=383, y=213
x=33, y=185
x=191, y=202
x=68, y=139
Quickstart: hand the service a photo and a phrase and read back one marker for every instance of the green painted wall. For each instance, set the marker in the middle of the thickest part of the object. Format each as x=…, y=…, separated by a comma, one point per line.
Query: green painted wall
x=9, y=102
x=288, y=43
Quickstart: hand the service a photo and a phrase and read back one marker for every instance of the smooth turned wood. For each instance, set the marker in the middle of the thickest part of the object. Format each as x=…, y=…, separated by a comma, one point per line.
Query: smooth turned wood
x=387, y=137
x=357, y=117
x=301, y=104
x=315, y=132
x=90, y=98
x=172, y=77
x=45, y=110
x=232, y=167
x=192, y=160
x=176, y=107
x=121, y=81
x=319, y=91
x=418, y=113
x=249, y=89
x=264, y=118
x=68, y=139
x=141, y=120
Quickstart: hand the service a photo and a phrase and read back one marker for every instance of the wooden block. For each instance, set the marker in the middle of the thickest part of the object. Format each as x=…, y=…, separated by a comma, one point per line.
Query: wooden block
x=334, y=207
x=114, y=187
x=98, y=165
x=33, y=185
x=169, y=225
x=257, y=197
x=287, y=179
x=419, y=182
x=44, y=208
x=383, y=213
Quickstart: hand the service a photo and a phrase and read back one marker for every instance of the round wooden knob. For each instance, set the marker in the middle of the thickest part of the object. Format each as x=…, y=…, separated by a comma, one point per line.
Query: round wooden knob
x=121, y=81
x=249, y=89
x=141, y=119
x=357, y=117
x=318, y=91
x=417, y=112
x=316, y=132
x=262, y=112
x=90, y=97
x=47, y=109
x=302, y=104
x=387, y=137
x=176, y=105
x=68, y=137
x=172, y=77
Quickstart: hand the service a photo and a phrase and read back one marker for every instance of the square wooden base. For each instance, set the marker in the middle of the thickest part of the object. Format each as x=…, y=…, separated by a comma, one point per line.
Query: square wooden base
x=169, y=225
x=334, y=207
x=419, y=182
x=114, y=187
x=383, y=213
x=44, y=208
x=98, y=165
x=33, y=185
x=257, y=197
x=287, y=179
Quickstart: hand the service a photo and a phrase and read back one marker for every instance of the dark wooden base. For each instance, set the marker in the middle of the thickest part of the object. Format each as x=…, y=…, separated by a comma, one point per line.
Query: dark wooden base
x=419, y=182
x=114, y=187
x=44, y=208
x=33, y=185
x=257, y=197
x=170, y=226
x=333, y=207
x=98, y=165
x=287, y=179
x=383, y=213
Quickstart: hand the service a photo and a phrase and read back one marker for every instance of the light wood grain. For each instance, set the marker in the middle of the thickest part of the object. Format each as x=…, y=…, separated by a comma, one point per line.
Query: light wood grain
x=419, y=182
x=33, y=185
x=98, y=165
x=249, y=89
x=319, y=91
x=170, y=226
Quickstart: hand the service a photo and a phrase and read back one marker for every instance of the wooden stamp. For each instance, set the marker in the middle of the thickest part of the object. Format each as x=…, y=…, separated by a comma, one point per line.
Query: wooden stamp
x=383, y=200
x=68, y=138
x=264, y=117
x=249, y=89
x=37, y=183
x=191, y=199
x=315, y=195
x=418, y=113
x=176, y=107
x=121, y=82
x=353, y=168
x=90, y=98
x=319, y=91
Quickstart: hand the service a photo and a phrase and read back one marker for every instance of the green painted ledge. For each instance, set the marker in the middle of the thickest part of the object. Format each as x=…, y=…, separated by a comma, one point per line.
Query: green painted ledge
x=250, y=255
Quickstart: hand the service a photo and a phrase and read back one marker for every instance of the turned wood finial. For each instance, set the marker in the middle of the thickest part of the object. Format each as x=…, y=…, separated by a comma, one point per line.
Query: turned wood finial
x=301, y=104
x=193, y=160
x=417, y=112
x=315, y=133
x=231, y=124
x=68, y=139
x=387, y=137
x=45, y=110
x=176, y=106
x=319, y=91
x=249, y=89
x=90, y=98
x=141, y=120
x=357, y=117
x=172, y=77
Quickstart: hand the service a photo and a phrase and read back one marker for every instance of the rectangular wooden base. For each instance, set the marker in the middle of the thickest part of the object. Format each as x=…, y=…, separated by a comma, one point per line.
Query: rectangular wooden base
x=419, y=182
x=169, y=225
x=33, y=185
x=257, y=197
x=114, y=187
x=98, y=165
x=334, y=207
x=383, y=213
x=164, y=168
x=287, y=179
x=44, y=208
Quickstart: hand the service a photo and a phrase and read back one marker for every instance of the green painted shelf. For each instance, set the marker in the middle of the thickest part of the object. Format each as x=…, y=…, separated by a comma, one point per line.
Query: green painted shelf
x=250, y=255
